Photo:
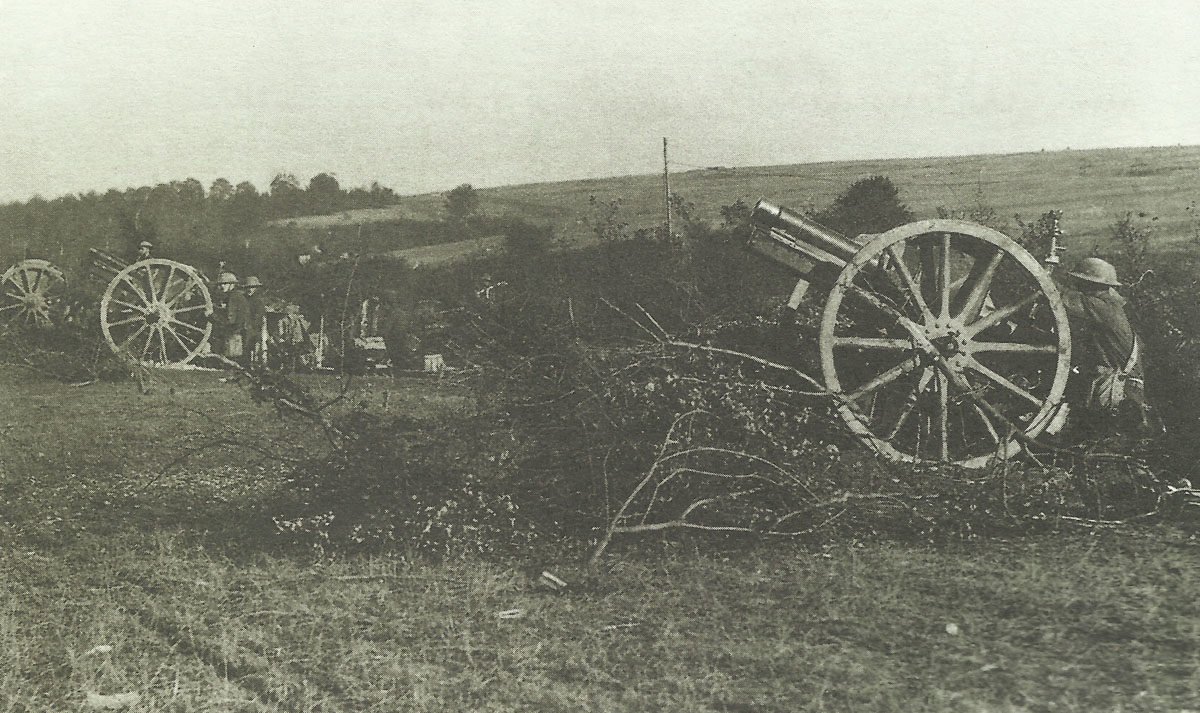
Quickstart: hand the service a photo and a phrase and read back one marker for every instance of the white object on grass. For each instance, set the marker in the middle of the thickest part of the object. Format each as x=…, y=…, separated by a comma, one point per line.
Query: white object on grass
x=113, y=702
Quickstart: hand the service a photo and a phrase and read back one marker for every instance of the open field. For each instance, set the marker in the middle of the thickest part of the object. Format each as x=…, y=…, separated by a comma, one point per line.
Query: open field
x=431, y=255
x=178, y=571
x=1091, y=187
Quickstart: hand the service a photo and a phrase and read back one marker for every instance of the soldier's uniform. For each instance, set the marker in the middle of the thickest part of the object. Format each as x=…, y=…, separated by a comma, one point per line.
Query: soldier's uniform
x=252, y=323
x=229, y=313
x=1109, y=376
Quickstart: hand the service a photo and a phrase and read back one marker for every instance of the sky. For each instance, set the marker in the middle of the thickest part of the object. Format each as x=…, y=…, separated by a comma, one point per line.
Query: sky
x=423, y=96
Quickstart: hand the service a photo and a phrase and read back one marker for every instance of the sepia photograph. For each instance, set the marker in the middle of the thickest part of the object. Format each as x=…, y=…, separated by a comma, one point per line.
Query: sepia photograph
x=605, y=355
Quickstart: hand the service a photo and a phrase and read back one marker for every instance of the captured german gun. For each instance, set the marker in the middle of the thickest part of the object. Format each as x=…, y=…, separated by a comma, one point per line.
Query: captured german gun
x=943, y=340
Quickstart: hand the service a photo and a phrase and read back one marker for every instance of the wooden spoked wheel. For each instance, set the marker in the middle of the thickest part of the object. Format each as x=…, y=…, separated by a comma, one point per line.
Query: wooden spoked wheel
x=29, y=293
x=945, y=340
x=156, y=312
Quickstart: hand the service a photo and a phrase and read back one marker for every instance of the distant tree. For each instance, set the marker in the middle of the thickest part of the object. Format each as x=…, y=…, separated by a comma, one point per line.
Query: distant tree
x=283, y=183
x=381, y=195
x=869, y=205
x=287, y=197
x=462, y=204
x=189, y=190
x=220, y=190
x=324, y=194
x=245, y=210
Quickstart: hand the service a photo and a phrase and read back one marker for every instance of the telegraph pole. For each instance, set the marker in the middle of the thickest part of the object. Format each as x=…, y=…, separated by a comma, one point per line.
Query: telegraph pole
x=666, y=189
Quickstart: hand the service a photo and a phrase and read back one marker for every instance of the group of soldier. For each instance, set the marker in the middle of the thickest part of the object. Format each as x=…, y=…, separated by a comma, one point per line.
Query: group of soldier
x=240, y=328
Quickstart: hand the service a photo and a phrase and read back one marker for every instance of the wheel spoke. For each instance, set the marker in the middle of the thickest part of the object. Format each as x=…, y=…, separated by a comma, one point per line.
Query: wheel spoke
x=928, y=271
x=943, y=416
x=187, y=290
x=1002, y=380
x=188, y=309
x=188, y=325
x=1013, y=347
x=910, y=283
x=133, y=336
x=974, y=291
x=16, y=306
x=167, y=284
x=127, y=320
x=944, y=277
x=887, y=343
x=150, y=281
x=14, y=295
x=882, y=306
x=994, y=318
x=162, y=342
x=146, y=346
x=886, y=378
x=138, y=290
x=138, y=308
x=910, y=403
x=187, y=350
x=987, y=423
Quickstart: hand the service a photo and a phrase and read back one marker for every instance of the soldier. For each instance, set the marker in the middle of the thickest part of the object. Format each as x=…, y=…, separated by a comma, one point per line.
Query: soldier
x=293, y=338
x=229, y=313
x=144, y=249
x=1109, y=378
x=252, y=327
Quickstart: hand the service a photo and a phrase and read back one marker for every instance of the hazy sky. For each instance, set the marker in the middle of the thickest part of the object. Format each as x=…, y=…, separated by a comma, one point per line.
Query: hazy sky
x=423, y=96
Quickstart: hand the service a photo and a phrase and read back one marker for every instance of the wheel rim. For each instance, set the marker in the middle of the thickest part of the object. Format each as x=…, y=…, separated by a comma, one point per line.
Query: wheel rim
x=155, y=312
x=945, y=339
x=29, y=293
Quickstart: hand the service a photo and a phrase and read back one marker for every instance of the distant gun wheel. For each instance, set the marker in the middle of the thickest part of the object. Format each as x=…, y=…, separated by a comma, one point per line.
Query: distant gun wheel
x=945, y=340
x=156, y=312
x=30, y=292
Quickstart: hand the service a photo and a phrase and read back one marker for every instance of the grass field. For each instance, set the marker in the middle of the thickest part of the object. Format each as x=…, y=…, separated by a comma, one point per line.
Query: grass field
x=178, y=571
x=1092, y=187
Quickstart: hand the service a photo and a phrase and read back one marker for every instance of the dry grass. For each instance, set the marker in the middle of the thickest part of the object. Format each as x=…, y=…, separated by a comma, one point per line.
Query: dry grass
x=205, y=611
x=1091, y=187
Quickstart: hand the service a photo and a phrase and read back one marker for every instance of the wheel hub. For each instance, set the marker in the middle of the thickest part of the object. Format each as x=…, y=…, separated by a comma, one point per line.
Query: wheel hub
x=945, y=336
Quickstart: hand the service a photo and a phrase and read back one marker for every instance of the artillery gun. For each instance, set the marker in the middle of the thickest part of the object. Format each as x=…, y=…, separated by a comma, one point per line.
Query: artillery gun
x=943, y=341
x=154, y=311
x=29, y=292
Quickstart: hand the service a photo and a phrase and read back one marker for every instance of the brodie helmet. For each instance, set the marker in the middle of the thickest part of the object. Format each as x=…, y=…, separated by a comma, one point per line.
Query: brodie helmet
x=1096, y=271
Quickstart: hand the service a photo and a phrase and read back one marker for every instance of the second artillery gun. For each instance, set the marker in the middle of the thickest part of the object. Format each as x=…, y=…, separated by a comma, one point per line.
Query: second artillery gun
x=942, y=340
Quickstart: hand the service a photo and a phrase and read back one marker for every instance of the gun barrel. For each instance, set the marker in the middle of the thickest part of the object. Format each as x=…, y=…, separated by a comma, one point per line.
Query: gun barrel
x=802, y=234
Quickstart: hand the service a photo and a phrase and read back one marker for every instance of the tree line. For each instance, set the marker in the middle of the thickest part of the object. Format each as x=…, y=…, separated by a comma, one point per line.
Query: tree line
x=181, y=216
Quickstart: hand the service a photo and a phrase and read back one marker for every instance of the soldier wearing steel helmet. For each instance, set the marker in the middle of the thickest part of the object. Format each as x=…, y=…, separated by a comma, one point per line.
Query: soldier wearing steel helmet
x=1109, y=375
x=253, y=320
x=229, y=314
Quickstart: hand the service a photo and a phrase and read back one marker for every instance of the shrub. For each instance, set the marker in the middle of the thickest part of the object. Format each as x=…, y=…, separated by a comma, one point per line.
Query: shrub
x=441, y=491
x=1133, y=237
x=869, y=205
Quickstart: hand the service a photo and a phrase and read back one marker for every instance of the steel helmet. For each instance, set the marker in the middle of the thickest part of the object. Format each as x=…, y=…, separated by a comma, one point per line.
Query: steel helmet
x=227, y=278
x=1096, y=271
x=145, y=244
x=252, y=281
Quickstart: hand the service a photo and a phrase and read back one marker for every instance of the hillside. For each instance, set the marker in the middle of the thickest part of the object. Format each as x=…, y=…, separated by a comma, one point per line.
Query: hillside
x=1091, y=187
